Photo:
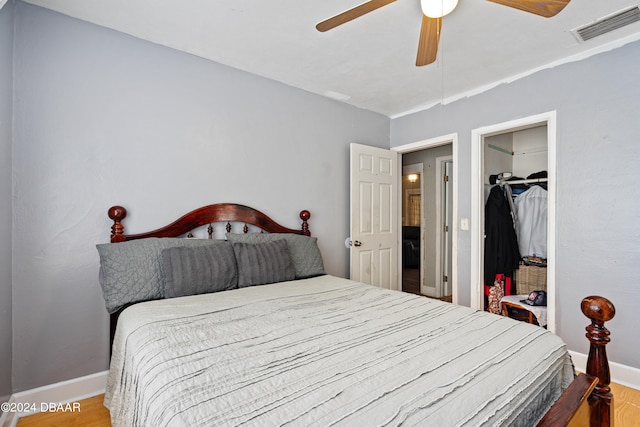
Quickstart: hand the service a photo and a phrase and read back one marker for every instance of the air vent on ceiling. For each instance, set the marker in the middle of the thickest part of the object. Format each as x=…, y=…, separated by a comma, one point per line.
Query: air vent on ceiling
x=609, y=23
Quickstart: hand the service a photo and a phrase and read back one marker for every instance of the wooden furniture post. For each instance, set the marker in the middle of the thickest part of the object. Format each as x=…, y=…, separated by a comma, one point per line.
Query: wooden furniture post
x=588, y=400
x=599, y=310
x=304, y=216
x=117, y=214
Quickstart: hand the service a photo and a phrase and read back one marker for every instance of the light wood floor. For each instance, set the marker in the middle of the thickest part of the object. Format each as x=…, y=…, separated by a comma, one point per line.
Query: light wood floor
x=92, y=414
x=626, y=407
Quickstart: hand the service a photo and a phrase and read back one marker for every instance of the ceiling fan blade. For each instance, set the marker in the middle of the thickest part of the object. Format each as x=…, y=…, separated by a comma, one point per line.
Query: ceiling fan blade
x=429, y=39
x=546, y=8
x=351, y=14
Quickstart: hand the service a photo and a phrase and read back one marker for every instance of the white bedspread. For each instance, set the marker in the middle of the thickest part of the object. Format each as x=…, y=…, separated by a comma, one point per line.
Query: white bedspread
x=328, y=351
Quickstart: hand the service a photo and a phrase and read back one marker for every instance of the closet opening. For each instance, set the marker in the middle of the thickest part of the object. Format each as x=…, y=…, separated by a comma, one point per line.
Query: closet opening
x=515, y=213
x=515, y=193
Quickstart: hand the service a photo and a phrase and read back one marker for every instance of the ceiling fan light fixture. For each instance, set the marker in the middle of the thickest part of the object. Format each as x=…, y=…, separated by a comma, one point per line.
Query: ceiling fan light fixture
x=438, y=8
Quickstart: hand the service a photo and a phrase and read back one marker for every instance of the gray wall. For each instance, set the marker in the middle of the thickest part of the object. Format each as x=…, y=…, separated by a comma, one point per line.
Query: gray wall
x=598, y=197
x=102, y=118
x=6, y=120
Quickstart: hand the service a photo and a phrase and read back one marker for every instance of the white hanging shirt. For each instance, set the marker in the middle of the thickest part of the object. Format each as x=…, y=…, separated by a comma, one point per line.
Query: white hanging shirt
x=531, y=228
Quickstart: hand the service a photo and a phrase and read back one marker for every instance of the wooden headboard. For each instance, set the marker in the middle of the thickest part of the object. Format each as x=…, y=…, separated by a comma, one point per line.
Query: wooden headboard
x=210, y=215
x=206, y=215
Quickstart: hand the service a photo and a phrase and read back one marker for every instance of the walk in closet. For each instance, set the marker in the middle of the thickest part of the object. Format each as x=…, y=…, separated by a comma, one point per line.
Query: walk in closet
x=516, y=215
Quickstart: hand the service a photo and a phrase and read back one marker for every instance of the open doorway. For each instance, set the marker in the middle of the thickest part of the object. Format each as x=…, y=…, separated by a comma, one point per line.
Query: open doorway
x=426, y=221
x=412, y=227
x=427, y=204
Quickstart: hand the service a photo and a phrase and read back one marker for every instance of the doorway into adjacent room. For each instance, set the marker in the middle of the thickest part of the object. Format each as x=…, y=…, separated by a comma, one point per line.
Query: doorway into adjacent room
x=412, y=220
x=427, y=206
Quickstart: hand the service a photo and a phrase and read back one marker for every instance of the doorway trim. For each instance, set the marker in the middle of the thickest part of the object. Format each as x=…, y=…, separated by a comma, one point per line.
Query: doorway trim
x=421, y=145
x=440, y=223
x=477, y=205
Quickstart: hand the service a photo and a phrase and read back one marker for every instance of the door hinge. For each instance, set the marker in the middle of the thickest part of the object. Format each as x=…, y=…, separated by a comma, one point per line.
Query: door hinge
x=446, y=228
x=445, y=278
x=446, y=178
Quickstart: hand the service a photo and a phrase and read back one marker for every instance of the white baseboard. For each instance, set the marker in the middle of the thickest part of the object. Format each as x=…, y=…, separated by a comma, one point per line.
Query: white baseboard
x=8, y=419
x=621, y=374
x=63, y=392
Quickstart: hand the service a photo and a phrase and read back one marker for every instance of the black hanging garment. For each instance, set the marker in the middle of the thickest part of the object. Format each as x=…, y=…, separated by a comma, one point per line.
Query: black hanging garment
x=501, y=253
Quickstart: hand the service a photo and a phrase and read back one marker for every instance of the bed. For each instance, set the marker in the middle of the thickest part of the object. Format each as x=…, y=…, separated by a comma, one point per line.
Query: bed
x=249, y=330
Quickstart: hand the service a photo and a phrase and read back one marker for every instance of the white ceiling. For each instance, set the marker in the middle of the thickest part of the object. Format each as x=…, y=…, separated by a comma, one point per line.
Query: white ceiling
x=371, y=59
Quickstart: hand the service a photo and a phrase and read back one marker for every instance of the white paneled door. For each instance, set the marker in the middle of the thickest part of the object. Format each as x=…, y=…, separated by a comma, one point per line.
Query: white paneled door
x=374, y=216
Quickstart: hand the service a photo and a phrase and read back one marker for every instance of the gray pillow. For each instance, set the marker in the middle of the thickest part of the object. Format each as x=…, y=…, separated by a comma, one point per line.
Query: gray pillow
x=198, y=270
x=305, y=254
x=130, y=271
x=263, y=263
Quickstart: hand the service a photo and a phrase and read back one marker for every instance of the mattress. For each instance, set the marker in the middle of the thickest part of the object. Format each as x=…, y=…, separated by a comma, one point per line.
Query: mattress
x=329, y=351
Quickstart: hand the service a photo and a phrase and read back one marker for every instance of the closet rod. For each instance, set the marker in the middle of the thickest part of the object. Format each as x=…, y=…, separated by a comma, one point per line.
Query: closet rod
x=523, y=181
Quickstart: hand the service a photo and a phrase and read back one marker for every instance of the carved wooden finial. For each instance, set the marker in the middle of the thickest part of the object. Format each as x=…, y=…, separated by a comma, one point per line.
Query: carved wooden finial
x=599, y=310
x=304, y=216
x=117, y=214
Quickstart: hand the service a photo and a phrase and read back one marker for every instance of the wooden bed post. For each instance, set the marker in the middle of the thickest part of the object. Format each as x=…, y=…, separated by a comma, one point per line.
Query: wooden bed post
x=599, y=310
x=304, y=216
x=588, y=400
x=117, y=214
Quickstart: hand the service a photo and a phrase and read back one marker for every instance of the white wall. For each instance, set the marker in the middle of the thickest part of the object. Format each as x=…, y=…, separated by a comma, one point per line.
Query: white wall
x=527, y=154
x=495, y=159
x=6, y=122
x=598, y=197
x=530, y=151
x=102, y=119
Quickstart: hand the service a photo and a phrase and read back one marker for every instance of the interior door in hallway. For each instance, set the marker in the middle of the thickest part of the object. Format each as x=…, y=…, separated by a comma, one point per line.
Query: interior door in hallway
x=374, y=216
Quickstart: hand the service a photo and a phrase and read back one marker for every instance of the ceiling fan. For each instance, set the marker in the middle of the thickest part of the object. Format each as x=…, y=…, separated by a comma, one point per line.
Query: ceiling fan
x=433, y=11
